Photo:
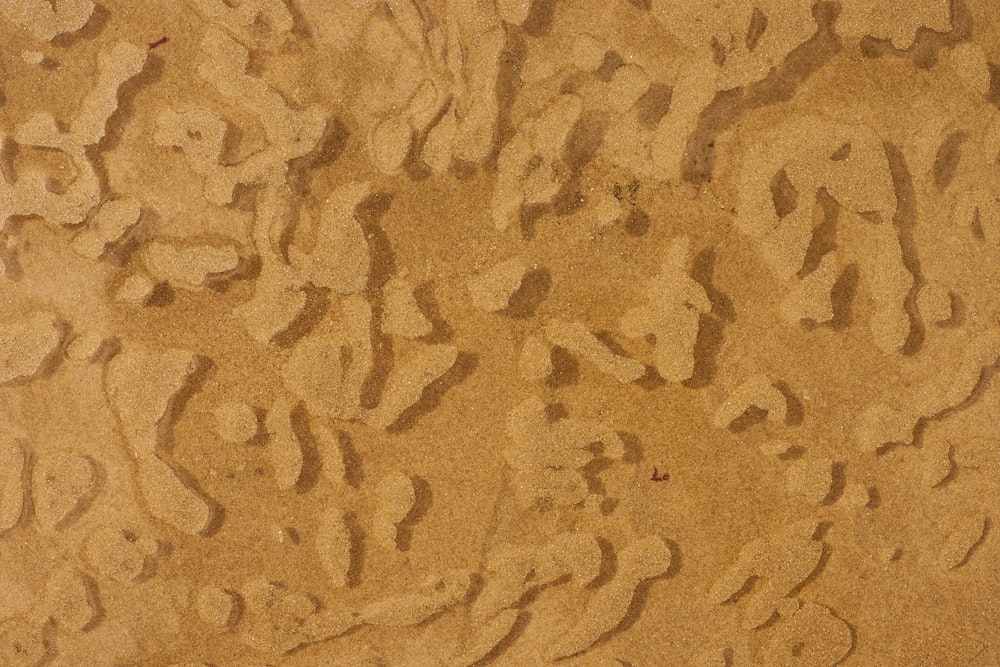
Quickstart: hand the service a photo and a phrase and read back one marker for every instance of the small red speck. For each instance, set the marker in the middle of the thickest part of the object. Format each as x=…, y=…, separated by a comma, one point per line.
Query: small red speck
x=160, y=42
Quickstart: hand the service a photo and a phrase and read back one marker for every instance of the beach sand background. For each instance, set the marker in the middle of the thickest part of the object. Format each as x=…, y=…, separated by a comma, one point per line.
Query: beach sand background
x=513, y=332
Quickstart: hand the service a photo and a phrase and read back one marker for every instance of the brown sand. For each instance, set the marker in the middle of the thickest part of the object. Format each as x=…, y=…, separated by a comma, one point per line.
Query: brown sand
x=499, y=332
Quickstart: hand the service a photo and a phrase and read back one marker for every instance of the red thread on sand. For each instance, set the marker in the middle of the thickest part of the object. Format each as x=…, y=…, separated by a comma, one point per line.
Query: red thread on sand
x=160, y=42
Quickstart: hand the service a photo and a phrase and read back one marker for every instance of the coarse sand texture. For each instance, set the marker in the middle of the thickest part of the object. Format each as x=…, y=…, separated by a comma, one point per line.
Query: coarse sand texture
x=499, y=333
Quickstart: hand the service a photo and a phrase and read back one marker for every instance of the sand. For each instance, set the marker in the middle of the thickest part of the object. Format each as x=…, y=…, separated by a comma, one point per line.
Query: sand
x=454, y=333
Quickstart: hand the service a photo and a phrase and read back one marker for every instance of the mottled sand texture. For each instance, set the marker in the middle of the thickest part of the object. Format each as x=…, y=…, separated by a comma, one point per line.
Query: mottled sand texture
x=513, y=333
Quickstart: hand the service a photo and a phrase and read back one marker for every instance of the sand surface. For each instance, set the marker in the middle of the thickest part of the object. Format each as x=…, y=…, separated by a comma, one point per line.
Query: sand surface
x=593, y=333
